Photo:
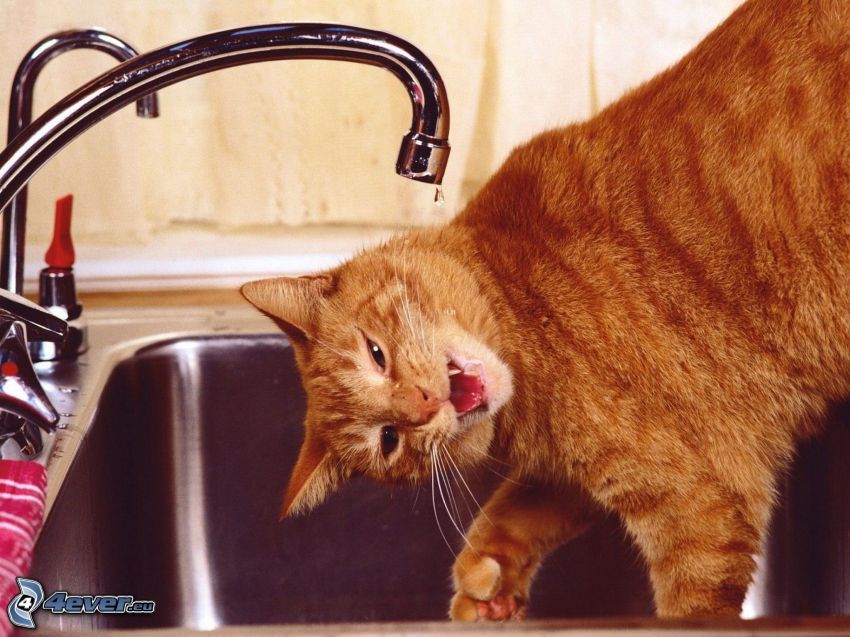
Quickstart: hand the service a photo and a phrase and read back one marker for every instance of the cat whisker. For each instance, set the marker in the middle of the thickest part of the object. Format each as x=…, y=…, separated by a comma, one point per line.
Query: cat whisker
x=441, y=472
x=403, y=297
x=493, y=458
x=405, y=314
x=434, y=504
x=341, y=354
x=398, y=314
x=453, y=473
x=406, y=304
x=504, y=477
x=421, y=321
x=399, y=346
x=447, y=482
x=416, y=496
x=468, y=489
x=397, y=310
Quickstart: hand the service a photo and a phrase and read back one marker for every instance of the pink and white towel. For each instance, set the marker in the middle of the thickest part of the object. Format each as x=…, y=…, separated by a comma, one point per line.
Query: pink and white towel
x=23, y=486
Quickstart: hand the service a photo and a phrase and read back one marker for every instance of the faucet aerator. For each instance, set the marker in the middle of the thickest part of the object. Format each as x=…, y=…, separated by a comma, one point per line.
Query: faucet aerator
x=423, y=158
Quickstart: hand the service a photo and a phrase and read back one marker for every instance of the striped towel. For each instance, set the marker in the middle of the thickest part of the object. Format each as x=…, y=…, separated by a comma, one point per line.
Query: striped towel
x=22, y=491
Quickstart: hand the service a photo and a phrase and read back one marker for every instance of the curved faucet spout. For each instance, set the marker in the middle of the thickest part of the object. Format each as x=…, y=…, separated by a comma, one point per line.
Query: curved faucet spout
x=20, y=116
x=424, y=150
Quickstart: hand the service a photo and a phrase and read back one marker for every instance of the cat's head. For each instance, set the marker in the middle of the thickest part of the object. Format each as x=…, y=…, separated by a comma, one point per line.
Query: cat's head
x=397, y=354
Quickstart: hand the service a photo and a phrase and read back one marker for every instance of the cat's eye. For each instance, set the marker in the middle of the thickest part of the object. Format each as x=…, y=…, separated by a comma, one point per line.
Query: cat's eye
x=389, y=440
x=377, y=354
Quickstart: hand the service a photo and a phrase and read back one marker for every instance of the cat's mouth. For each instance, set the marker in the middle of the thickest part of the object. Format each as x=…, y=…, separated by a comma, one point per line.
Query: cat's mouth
x=468, y=386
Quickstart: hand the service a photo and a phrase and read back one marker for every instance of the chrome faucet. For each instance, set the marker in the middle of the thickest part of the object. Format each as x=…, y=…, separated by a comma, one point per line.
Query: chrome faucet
x=424, y=148
x=422, y=157
x=20, y=116
x=24, y=406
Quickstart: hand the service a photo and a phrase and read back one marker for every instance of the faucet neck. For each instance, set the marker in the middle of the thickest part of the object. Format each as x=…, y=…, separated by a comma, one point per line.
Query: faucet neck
x=423, y=155
x=20, y=116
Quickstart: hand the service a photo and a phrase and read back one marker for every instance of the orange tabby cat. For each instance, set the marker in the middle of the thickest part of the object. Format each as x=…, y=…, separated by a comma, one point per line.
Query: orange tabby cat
x=642, y=313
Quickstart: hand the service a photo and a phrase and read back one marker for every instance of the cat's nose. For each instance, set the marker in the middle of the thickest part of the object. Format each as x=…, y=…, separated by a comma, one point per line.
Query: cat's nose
x=427, y=403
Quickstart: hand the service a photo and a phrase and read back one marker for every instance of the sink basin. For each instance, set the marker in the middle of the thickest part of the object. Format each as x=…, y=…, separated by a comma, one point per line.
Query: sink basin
x=174, y=494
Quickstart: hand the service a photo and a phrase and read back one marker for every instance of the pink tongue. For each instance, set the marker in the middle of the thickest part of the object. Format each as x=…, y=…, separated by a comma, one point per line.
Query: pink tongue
x=467, y=392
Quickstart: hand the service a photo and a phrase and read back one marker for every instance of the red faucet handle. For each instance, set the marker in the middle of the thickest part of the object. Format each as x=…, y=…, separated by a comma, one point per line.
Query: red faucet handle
x=60, y=254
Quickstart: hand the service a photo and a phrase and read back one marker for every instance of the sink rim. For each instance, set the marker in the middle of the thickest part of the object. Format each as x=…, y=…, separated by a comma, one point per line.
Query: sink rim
x=116, y=335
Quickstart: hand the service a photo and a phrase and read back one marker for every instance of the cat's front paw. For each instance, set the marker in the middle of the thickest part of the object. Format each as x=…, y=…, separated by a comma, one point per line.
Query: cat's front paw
x=485, y=590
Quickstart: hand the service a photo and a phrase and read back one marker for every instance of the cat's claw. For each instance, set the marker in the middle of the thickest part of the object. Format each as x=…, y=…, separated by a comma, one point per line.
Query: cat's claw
x=501, y=608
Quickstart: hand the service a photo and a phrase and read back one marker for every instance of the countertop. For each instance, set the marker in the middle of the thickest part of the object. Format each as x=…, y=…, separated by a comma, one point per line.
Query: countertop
x=624, y=627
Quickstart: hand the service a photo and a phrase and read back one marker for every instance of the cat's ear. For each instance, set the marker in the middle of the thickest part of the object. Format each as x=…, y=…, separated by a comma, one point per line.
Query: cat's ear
x=316, y=475
x=292, y=301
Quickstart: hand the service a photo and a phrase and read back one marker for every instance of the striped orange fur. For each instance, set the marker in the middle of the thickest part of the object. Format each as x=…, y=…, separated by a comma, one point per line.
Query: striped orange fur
x=658, y=299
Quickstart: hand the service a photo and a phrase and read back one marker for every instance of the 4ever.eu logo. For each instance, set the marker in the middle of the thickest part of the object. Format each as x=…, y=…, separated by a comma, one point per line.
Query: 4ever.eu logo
x=31, y=598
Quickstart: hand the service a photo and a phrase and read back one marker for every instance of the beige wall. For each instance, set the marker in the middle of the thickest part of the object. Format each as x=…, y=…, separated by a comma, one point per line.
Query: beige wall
x=272, y=145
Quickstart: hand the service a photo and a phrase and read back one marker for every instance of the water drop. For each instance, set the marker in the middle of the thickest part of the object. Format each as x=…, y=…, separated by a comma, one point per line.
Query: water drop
x=439, y=197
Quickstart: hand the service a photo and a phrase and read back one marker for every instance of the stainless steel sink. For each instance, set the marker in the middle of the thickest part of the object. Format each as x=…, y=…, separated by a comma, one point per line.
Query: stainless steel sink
x=174, y=492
